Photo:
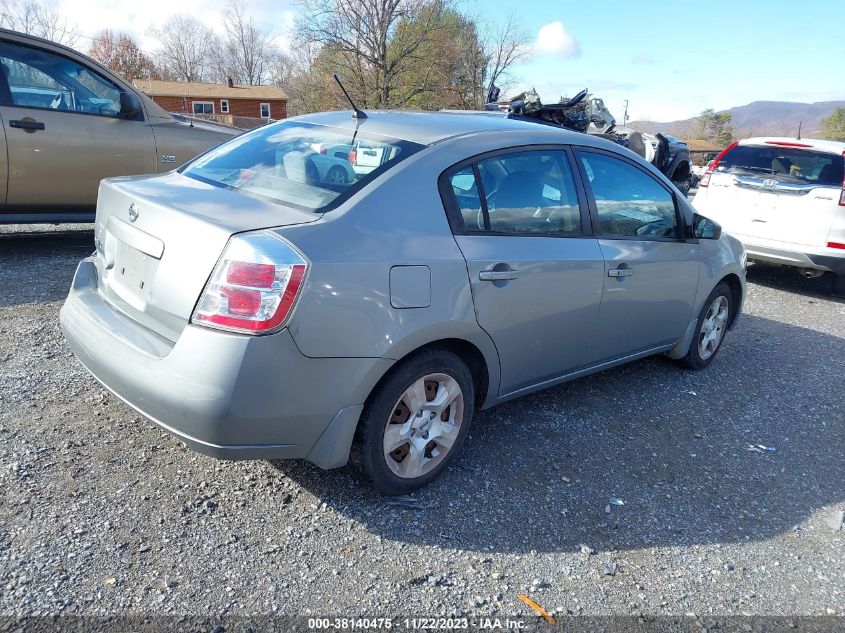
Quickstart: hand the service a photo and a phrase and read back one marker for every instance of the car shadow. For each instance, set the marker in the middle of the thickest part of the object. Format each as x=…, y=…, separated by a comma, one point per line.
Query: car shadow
x=46, y=259
x=789, y=279
x=746, y=449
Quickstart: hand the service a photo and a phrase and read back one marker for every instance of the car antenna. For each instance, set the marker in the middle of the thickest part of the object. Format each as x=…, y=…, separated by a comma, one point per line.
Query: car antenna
x=800, y=123
x=356, y=112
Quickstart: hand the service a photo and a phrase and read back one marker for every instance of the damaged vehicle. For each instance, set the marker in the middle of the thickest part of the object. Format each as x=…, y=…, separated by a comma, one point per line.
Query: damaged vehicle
x=588, y=114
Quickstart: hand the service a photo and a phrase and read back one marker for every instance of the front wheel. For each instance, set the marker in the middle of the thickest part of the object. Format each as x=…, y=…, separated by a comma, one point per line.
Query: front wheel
x=713, y=322
x=414, y=424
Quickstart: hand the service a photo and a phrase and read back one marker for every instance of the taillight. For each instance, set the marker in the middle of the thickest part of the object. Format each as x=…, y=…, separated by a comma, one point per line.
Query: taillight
x=836, y=245
x=705, y=179
x=254, y=286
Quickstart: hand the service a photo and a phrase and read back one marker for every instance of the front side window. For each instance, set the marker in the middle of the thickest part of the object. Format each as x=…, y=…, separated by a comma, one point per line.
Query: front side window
x=38, y=79
x=203, y=107
x=312, y=167
x=630, y=203
x=523, y=192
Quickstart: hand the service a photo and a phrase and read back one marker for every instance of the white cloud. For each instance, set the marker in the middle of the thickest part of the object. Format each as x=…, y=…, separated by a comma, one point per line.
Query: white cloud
x=554, y=40
x=643, y=59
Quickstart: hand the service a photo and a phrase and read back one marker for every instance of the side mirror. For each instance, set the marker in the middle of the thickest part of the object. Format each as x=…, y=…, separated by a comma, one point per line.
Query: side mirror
x=705, y=228
x=130, y=105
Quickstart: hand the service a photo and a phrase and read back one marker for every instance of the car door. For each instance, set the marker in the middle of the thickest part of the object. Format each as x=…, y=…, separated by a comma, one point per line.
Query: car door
x=651, y=270
x=64, y=131
x=535, y=271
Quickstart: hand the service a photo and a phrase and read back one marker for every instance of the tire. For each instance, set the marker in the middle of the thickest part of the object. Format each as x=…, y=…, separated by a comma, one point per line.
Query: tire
x=683, y=186
x=389, y=419
x=336, y=175
x=710, y=324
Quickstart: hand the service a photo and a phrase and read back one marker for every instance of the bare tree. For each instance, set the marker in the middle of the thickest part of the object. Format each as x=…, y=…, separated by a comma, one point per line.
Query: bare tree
x=37, y=18
x=504, y=44
x=249, y=52
x=187, y=49
x=365, y=31
x=122, y=54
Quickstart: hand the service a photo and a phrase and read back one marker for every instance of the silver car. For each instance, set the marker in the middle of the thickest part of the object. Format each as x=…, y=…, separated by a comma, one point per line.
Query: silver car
x=256, y=311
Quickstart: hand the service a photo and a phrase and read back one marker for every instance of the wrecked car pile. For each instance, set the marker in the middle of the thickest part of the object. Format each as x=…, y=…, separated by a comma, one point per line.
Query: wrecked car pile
x=588, y=114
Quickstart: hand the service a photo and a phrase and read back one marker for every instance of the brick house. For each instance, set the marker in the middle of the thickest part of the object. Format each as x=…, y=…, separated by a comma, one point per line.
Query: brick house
x=221, y=100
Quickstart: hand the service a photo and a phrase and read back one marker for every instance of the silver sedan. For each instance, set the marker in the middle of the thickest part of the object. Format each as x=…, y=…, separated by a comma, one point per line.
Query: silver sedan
x=257, y=310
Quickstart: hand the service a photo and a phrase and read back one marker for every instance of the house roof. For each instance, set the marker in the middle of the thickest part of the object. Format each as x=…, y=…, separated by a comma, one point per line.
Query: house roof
x=158, y=88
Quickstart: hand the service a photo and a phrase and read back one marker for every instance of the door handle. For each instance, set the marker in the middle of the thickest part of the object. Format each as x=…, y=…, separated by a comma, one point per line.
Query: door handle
x=620, y=272
x=28, y=125
x=498, y=275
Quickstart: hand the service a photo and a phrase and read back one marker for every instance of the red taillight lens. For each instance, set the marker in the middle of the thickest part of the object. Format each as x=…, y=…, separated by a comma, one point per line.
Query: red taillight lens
x=705, y=180
x=255, y=275
x=242, y=302
x=254, y=286
x=835, y=245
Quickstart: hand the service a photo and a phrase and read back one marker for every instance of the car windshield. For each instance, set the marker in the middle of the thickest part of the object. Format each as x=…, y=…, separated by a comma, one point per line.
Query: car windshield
x=307, y=166
x=792, y=163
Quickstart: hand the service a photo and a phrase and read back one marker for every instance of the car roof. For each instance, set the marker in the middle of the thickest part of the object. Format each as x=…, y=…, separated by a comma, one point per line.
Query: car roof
x=427, y=128
x=833, y=147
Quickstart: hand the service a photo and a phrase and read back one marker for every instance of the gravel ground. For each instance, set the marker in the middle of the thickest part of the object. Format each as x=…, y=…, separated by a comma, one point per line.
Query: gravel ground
x=101, y=513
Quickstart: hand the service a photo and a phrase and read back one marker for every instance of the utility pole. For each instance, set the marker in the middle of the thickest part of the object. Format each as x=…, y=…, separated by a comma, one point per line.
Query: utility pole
x=625, y=116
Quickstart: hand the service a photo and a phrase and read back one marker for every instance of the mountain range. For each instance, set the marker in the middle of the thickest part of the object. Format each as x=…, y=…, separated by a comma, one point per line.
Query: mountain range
x=760, y=118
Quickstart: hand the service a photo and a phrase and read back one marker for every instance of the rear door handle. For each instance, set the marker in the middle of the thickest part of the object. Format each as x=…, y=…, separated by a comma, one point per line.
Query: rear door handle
x=27, y=125
x=620, y=272
x=498, y=275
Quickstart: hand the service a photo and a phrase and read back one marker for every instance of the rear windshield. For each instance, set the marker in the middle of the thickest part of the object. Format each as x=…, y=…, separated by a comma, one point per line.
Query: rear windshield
x=785, y=162
x=307, y=166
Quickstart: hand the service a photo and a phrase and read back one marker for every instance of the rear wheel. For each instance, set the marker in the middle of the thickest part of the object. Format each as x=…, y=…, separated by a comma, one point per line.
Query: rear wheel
x=713, y=321
x=414, y=424
x=336, y=176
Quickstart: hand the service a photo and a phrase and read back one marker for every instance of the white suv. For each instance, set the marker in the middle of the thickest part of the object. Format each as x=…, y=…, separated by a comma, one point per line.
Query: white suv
x=784, y=198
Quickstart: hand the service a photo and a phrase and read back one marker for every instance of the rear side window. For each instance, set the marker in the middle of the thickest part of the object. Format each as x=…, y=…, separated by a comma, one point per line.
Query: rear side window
x=311, y=167
x=629, y=202
x=529, y=192
x=785, y=163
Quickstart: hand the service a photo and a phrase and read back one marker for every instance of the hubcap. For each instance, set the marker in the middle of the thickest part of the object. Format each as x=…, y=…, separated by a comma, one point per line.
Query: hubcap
x=423, y=425
x=713, y=327
x=336, y=176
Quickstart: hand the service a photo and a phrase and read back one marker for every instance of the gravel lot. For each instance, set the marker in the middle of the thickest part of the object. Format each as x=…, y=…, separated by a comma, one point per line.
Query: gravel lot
x=101, y=513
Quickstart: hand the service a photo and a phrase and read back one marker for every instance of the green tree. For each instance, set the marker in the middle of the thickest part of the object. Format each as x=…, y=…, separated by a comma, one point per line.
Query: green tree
x=833, y=126
x=715, y=126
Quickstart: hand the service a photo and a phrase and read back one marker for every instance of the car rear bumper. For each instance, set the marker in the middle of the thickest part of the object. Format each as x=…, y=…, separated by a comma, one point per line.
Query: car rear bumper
x=227, y=395
x=826, y=259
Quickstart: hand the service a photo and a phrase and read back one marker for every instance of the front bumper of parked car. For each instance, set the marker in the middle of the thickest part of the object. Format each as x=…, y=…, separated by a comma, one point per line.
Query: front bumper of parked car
x=227, y=395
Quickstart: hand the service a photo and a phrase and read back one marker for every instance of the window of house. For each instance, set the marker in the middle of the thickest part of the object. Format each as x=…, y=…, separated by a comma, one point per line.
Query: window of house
x=265, y=110
x=224, y=106
x=202, y=107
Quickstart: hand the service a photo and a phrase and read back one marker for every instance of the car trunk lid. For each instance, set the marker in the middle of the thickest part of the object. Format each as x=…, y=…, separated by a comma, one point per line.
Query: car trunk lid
x=158, y=239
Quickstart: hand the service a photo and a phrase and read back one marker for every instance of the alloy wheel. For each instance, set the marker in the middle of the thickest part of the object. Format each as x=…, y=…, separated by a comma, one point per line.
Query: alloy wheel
x=713, y=328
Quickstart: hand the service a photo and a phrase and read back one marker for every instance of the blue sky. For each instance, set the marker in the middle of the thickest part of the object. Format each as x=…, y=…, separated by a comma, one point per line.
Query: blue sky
x=673, y=59
x=669, y=59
